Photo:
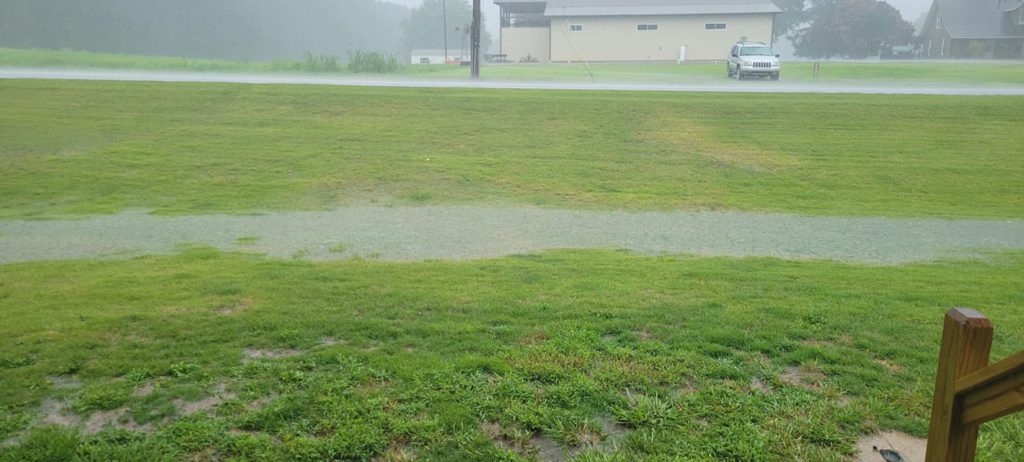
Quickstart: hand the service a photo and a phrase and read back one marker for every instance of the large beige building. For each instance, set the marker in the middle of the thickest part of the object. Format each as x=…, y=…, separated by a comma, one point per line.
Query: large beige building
x=630, y=30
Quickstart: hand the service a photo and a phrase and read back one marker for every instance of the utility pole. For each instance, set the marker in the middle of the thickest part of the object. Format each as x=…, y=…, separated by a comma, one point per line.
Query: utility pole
x=474, y=46
x=444, y=35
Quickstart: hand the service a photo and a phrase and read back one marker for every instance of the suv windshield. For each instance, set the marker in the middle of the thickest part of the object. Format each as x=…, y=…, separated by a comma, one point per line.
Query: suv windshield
x=755, y=51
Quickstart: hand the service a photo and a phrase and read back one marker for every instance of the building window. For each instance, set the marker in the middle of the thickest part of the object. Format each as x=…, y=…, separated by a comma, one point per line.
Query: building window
x=942, y=49
x=424, y=60
x=938, y=20
x=647, y=27
x=576, y=28
x=714, y=26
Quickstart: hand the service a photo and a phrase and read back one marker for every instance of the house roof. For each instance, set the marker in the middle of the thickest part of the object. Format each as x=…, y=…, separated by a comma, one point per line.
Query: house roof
x=978, y=19
x=560, y=8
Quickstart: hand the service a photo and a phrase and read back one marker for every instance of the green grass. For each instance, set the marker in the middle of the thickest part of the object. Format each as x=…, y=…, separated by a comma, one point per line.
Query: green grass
x=76, y=148
x=17, y=57
x=861, y=73
x=445, y=358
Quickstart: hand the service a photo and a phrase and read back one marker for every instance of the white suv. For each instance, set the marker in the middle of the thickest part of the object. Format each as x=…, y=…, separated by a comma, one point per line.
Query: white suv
x=753, y=59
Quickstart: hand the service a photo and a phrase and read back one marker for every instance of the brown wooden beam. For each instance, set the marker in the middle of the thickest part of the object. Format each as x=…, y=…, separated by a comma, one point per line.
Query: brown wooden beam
x=992, y=392
x=966, y=343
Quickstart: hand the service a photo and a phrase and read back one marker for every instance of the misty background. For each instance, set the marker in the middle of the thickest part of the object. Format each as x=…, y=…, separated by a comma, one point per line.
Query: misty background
x=259, y=30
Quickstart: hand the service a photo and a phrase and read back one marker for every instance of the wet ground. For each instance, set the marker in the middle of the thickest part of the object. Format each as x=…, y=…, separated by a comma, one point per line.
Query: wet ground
x=459, y=233
x=722, y=85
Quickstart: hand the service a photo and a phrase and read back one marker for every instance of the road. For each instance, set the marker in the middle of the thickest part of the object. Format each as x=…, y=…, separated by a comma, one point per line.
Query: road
x=717, y=86
x=460, y=233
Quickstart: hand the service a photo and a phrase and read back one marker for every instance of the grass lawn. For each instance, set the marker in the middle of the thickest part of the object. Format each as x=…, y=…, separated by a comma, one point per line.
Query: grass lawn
x=661, y=358
x=861, y=73
x=75, y=148
x=207, y=355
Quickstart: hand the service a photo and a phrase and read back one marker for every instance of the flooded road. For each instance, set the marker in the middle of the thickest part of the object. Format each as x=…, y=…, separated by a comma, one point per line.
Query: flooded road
x=713, y=86
x=460, y=233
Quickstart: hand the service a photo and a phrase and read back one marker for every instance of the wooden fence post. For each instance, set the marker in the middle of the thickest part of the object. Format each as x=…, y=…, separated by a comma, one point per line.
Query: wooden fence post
x=966, y=343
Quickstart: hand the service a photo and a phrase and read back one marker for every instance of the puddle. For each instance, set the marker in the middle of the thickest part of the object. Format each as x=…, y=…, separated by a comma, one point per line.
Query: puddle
x=63, y=382
x=58, y=413
x=191, y=407
x=252, y=354
x=114, y=419
x=909, y=448
x=604, y=439
x=329, y=341
x=426, y=233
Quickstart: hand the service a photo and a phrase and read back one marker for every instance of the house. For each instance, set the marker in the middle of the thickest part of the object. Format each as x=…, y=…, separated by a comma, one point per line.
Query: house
x=630, y=30
x=983, y=29
x=454, y=55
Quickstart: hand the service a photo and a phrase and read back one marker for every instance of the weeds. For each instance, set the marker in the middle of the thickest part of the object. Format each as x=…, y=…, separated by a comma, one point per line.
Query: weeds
x=495, y=373
x=372, y=62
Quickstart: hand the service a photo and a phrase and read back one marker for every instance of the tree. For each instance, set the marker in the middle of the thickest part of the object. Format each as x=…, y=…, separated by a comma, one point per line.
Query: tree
x=423, y=28
x=851, y=29
x=794, y=13
x=220, y=29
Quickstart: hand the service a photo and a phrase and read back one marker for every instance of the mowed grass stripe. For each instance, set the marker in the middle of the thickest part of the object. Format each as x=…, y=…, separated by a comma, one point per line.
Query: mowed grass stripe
x=78, y=148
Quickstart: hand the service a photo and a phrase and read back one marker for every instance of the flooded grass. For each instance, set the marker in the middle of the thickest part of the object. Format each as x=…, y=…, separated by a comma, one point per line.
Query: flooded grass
x=594, y=355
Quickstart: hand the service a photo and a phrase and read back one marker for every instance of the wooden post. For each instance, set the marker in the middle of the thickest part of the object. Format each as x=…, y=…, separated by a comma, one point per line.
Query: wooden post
x=966, y=343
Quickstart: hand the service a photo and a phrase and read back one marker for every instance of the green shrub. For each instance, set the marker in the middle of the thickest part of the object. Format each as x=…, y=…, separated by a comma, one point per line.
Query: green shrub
x=372, y=62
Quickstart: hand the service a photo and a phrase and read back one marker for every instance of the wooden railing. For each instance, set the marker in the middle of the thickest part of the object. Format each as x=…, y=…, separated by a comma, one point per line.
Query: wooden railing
x=968, y=391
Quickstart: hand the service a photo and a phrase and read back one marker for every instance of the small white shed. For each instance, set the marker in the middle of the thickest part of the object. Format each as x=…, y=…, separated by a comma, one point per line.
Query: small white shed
x=436, y=56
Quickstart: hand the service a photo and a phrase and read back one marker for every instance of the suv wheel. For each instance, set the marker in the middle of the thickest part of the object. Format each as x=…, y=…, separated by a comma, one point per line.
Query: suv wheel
x=739, y=74
x=775, y=76
x=728, y=70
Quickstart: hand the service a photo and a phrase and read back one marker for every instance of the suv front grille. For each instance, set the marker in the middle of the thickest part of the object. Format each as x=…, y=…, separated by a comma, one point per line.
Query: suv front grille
x=767, y=65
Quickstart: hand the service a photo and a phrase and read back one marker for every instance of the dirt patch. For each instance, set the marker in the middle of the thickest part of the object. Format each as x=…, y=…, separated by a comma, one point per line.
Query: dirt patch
x=253, y=354
x=757, y=384
x=396, y=452
x=910, y=448
x=534, y=338
x=191, y=407
x=242, y=305
x=145, y=390
x=802, y=377
x=261, y=402
x=889, y=365
x=643, y=335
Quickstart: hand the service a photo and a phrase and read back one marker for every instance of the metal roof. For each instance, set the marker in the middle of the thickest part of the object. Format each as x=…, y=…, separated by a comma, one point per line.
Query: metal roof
x=977, y=19
x=561, y=8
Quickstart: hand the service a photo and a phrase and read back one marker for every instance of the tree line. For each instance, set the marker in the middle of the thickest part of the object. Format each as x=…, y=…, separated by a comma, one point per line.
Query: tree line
x=842, y=28
x=229, y=29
